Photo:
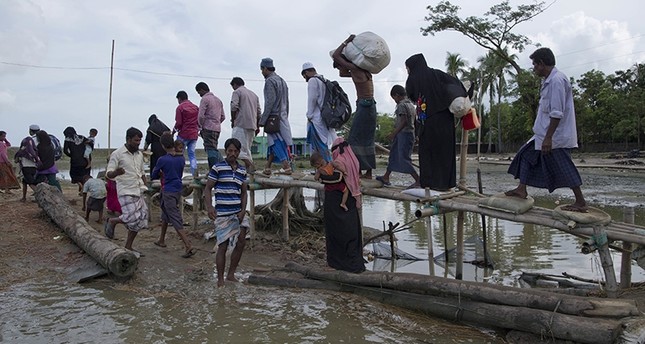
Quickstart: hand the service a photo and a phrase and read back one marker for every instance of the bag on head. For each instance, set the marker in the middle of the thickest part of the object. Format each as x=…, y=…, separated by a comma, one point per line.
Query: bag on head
x=336, y=109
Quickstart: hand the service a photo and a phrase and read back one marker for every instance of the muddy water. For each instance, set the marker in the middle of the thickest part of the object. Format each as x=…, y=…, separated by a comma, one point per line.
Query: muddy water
x=180, y=310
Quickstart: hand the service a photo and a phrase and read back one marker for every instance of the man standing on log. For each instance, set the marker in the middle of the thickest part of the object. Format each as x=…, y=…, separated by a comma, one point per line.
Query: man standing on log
x=126, y=167
x=545, y=161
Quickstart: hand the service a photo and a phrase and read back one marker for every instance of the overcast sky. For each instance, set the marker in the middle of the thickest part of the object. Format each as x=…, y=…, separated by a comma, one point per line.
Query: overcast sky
x=55, y=55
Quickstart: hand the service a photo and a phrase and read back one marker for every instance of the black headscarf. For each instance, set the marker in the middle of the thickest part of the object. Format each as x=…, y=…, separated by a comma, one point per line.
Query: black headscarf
x=156, y=126
x=436, y=88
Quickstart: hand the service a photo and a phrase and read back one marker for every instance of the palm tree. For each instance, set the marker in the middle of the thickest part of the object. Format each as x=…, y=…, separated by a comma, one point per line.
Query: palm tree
x=495, y=70
x=455, y=65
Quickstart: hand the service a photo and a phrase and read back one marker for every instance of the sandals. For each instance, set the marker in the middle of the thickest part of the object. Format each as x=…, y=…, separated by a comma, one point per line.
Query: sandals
x=189, y=253
x=380, y=179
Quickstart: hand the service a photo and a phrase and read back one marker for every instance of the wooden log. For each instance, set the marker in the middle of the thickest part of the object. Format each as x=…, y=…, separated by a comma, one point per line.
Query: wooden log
x=482, y=292
x=545, y=323
x=117, y=260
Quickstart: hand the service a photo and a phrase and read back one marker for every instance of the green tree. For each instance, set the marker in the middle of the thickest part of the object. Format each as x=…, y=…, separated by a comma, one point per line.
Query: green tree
x=455, y=65
x=384, y=126
x=493, y=31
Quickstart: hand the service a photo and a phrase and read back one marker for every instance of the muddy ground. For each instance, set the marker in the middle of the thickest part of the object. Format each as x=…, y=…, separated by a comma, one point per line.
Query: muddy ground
x=35, y=250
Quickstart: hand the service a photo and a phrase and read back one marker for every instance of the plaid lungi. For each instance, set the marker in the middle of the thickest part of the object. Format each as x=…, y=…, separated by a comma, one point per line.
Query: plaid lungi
x=134, y=212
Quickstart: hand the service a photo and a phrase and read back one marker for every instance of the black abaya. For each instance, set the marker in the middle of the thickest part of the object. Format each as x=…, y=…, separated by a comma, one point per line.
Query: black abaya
x=343, y=233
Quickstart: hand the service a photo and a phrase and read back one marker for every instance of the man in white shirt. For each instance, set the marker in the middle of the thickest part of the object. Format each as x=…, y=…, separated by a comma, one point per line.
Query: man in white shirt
x=318, y=134
x=126, y=168
x=545, y=161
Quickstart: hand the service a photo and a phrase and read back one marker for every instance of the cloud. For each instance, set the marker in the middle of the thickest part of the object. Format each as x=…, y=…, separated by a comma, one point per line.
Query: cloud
x=582, y=43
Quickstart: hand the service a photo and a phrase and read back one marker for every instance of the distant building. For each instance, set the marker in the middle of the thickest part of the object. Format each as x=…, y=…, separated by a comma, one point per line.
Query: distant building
x=299, y=148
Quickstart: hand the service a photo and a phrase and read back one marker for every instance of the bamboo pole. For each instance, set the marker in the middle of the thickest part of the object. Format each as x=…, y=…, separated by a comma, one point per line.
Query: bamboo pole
x=600, y=237
x=109, y=132
x=626, y=256
x=463, y=153
x=285, y=214
x=430, y=240
x=252, y=212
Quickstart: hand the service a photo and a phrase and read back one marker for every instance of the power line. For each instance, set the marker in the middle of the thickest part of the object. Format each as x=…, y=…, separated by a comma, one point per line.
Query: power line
x=52, y=67
x=602, y=45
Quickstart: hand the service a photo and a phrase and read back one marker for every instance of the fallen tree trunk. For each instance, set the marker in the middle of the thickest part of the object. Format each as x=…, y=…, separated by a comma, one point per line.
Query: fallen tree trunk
x=482, y=292
x=117, y=260
x=544, y=323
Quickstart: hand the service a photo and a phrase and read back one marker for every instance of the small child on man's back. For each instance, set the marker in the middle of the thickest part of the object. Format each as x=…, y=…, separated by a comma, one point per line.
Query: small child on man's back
x=171, y=168
x=95, y=189
x=327, y=169
x=89, y=146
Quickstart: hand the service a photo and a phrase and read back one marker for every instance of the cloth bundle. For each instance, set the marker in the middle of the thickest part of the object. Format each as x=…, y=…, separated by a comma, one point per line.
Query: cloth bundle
x=368, y=51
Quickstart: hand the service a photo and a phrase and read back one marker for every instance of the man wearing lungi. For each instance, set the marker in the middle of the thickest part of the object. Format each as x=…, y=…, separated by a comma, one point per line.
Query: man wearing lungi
x=361, y=134
x=229, y=180
x=126, y=168
x=545, y=161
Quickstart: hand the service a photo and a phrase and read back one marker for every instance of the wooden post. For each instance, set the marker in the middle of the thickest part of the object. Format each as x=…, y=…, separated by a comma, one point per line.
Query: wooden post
x=463, y=153
x=600, y=236
x=197, y=196
x=285, y=214
x=252, y=212
x=430, y=241
x=626, y=256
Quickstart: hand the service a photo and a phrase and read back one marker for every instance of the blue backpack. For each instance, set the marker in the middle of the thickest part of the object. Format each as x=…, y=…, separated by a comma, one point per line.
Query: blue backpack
x=58, y=149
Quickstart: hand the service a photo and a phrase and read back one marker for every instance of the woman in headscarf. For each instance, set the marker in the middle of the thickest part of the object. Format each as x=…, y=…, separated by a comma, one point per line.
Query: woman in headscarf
x=433, y=91
x=343, y=227
x=156, y=128
x=74, y=148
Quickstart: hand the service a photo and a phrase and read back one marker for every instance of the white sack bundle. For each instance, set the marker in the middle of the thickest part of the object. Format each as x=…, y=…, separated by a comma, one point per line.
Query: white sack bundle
x=368, y=51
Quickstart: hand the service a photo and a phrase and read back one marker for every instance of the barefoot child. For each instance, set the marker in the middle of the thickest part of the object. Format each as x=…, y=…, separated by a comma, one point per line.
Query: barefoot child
x=95, y=189
x=327, y=169
x=171, y=167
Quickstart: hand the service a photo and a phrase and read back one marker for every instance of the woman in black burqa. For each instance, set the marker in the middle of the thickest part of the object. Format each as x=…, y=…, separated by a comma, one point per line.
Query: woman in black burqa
x=74, y=148
x=433, y=91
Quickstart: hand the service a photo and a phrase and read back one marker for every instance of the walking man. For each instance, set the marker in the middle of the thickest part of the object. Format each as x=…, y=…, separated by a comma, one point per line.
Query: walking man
x=210, y=118
x=276, y=102
x=361, y=134
x=187, y=127
x=319, y=136
x=229, y=180
x=545, y=161
x=126, y=168
x=245, y=115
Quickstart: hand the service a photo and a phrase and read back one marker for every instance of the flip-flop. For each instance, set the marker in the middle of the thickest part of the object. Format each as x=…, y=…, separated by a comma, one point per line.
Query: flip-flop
x=159, y=244
x=190, y=253
x=380, y=179
x=266, y=171
x=285, y=171
x=109, y=231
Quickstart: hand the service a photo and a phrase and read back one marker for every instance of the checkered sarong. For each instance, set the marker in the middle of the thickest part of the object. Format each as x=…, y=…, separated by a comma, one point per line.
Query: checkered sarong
x=134, y=212
x=547, y=171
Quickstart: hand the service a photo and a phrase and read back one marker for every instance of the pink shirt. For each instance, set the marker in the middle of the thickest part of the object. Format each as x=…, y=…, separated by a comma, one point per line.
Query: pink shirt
x=186, y=120
x=3, y=151
x=211, y=112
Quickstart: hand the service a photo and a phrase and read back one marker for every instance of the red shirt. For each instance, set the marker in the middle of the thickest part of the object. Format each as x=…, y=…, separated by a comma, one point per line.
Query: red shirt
x=186, y=120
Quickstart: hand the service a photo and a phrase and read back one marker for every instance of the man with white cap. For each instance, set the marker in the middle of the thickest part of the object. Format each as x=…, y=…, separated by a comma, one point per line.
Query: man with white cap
x=276, y=102
x=319, y=136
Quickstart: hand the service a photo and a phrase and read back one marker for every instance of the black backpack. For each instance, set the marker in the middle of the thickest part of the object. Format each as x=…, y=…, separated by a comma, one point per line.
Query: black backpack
x=336, y=109
x=58, y=149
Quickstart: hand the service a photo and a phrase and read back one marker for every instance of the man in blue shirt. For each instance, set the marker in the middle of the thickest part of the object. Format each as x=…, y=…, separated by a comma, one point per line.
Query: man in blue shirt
x=229, y=180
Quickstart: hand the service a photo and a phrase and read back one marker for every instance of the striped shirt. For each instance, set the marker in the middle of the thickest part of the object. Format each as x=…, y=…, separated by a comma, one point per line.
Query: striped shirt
x=228, y=187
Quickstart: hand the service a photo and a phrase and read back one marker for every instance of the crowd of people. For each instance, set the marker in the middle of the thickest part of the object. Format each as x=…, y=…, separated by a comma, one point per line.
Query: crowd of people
x=422, y=114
